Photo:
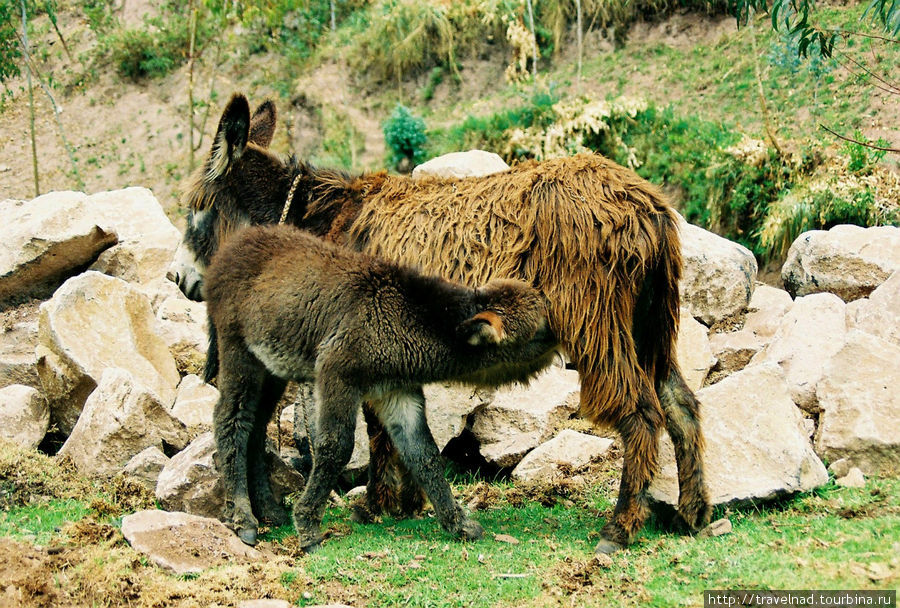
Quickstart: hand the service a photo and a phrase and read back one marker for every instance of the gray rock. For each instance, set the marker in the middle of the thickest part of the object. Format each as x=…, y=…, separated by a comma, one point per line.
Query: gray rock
x=756, y=446
x=121, y=418
x=520, y=418
x=569, y=448
x=24, y=415
x=766, y=309
x=693, y=352
x=190, y=481
x=184, y=543
x=720, y=527
x=181, y=324
x=733, y=350
x=840, y=467
x=848, y=261
x=853, y=479
x=879, y=315
x=147, y=238
x=45, y=240
x=94, y=322
x=146, y=466
x=195, y=402
x=18, y=339
x=860, y=404
x=448, y=407
x=474, y=163
x=813, y=331
x=719, y=275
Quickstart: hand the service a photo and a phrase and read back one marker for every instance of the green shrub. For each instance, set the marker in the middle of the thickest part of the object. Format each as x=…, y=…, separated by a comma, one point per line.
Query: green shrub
x=405, y=136
x=862, y=157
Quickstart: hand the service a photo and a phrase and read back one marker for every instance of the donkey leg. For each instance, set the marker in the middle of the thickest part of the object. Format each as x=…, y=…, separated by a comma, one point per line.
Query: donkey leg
x=391, y=488
x=332, y=447
x=683, y=424
x=304, y=409
x=403, y=415
x=265, y=505
x=640, y=435
x=240, y=383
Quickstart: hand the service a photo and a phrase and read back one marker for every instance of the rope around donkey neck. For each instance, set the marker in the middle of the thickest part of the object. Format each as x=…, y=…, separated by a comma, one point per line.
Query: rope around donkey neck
x=290, y=197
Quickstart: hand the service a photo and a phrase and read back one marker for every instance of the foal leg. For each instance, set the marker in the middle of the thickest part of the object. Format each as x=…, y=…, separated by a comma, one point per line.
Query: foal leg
x=683, y=424
x=240, y=384
x=640, y=437
x=265, y=505
x=403, y=415
x=332, y=447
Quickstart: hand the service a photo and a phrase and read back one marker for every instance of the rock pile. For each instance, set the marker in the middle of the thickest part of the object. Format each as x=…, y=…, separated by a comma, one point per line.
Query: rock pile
x=108, y=362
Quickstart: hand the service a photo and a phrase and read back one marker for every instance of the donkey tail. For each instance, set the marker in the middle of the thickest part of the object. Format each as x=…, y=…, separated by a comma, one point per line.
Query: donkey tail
x=211, y=369
x=656, y=327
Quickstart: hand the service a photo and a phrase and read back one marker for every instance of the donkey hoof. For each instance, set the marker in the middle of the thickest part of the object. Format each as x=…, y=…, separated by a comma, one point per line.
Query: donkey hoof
x=607, y=546
x=470, y=530
x=310, y=543
x=247, y=536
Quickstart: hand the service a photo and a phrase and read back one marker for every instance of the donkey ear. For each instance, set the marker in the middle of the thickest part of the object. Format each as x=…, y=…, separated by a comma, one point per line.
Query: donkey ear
x=231, y=136
x=262, y=124
x=485, y=327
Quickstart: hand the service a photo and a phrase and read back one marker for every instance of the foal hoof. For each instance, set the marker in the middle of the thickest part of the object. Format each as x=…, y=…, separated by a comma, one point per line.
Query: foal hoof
x=607, y=546
x=247, y=536
x=470, y=530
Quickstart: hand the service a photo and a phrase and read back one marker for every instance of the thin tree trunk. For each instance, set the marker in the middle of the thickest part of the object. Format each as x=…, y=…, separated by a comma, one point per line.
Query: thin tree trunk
x=333, y=23
x=59, y=35
x=580, y=45
x=767, y=121
x=193, y=13
x=534, y=53
x=34, y=159
x=31, y=67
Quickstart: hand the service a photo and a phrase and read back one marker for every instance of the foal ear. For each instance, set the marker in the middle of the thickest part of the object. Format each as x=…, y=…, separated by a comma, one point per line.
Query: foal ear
x=485, y=327
x=262, y=124
x=231, y=136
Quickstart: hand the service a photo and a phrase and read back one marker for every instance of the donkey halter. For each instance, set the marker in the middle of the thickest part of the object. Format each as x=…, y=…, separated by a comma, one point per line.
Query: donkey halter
x=290, y=197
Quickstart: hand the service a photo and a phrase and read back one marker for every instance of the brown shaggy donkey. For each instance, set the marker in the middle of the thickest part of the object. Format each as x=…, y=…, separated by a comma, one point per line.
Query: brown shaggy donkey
x=598, y=241
x=285, y=305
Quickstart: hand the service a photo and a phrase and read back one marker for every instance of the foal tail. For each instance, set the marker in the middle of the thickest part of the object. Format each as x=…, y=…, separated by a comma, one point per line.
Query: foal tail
x=656, y=317
x=212, y=354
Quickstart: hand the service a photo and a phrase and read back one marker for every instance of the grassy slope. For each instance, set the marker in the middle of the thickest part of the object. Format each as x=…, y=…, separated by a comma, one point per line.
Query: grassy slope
x=838, y=538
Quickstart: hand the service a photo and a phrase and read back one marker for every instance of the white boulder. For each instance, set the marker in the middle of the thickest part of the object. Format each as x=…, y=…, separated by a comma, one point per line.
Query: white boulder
x=693, y=351
x=184, y=543
x=860, y=403
x=24, y=415
x=195, y=403
x=520, y=418
x=45, y=240
x=569, y=449
x=719, y=275
x=94, y=322
x=756, y=445
x=813, y=331
x=474, y=163
x=849, y=261
x=121, y=418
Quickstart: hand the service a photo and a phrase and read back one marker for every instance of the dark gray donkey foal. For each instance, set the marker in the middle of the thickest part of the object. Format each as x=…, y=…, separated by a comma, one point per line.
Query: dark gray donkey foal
x=284, y=305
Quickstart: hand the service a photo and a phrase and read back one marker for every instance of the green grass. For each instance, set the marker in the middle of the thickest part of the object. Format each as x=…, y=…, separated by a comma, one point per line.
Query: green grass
x=41, y=523
x=836, y=538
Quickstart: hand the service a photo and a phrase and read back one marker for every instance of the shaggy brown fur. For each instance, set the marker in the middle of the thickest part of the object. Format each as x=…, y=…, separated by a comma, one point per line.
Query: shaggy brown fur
x=600, y=243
